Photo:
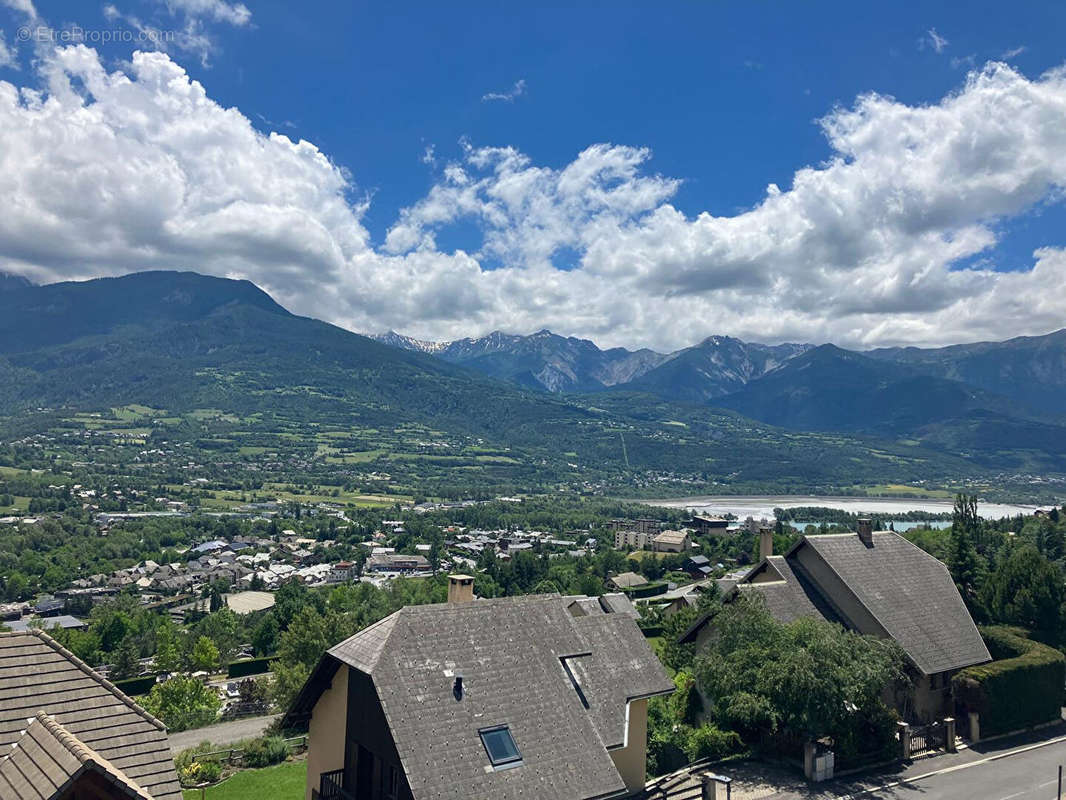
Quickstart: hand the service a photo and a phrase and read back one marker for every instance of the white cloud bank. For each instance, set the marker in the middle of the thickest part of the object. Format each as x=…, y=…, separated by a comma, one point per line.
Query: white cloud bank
x=106, y=173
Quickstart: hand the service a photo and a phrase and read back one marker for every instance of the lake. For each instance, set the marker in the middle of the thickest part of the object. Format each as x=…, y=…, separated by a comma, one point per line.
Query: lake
x=763, y=505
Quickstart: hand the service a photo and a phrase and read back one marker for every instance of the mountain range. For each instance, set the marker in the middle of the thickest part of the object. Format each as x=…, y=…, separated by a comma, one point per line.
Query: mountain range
x=985, y=398
x=719, y=411
x=1030, y=370
x=558, y=364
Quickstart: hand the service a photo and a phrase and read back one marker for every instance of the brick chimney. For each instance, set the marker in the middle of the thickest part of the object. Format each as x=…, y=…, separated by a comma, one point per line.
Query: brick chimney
x=766, y=542
x=460, y=589
x=866, y=532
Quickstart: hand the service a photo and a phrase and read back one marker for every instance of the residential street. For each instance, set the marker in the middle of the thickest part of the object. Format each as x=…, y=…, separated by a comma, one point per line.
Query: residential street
x=1031, y=775
x=1021, y=767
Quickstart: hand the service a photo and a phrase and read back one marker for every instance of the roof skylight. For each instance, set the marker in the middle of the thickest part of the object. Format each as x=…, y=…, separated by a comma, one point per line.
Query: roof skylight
x=500, y=746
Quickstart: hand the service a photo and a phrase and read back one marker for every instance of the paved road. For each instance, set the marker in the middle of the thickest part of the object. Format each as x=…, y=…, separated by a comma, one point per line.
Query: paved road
x=1027, y=775
x=224, y=733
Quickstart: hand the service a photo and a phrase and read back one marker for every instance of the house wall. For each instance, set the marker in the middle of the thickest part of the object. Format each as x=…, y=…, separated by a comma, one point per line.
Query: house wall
x=329, y=719
x=370, y=740
x=932, y=697
x=631, y=760
x=704, y=636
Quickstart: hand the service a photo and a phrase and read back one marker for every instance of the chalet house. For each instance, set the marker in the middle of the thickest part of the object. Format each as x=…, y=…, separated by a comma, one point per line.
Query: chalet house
x=507, y=698
x=698, y=567
x=876, y=583
x=627, y=580
x=66, y=733
x=671, y=542
x=716, y=526
x=395, y=562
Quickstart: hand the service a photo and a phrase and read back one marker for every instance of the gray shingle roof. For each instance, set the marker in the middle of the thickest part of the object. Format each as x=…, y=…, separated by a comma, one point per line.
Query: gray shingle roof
x=628, y=580
x=910, y=593
x=509, y=652
x=618, y=603
x=37, y=674
x=791, y=597
x=48, y=759
x=610, y=603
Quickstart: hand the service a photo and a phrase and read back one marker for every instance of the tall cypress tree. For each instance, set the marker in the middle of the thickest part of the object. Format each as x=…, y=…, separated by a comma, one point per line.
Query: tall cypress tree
x=968, y=569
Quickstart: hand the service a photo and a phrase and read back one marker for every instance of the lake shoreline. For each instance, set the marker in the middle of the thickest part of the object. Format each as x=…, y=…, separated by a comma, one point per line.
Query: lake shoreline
x=763, y=505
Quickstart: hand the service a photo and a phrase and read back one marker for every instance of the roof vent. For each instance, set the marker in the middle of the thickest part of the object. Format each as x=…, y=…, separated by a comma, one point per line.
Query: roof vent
x=866, y=532
x=457, y=687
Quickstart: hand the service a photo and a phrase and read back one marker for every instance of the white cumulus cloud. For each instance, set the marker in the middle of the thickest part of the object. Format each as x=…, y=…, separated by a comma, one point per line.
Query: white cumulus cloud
x=107, y=172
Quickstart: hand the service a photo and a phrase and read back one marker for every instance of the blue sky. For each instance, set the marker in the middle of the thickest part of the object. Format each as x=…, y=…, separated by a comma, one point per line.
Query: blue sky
x=725, y=96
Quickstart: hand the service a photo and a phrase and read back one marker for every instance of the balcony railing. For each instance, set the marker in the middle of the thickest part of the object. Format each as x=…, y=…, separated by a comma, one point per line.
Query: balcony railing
x=331, y=787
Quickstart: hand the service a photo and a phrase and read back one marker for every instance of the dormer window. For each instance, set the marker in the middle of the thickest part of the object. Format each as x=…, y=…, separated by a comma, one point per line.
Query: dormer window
x=500, y=746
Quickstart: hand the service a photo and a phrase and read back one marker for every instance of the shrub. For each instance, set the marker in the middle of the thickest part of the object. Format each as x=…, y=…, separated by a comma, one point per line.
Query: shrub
x=666, y=750
x=647, y=590
x=194, y=769
x=249, y=666
x=1022, y=687
x=265, y=751
x=708, y=741
x=137, y=686
x=208, y=771
x=670, y=748
x=685, y=703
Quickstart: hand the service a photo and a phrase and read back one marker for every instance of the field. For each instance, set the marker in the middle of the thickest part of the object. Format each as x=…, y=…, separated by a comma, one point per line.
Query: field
x=283, y=782
x=900, y=490
x=221, y=460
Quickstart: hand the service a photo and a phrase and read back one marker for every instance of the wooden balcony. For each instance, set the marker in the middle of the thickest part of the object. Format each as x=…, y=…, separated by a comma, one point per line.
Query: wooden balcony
x=331, y=787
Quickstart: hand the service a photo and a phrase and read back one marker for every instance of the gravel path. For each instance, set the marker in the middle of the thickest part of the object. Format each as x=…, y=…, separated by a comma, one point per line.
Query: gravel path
x=222, y=734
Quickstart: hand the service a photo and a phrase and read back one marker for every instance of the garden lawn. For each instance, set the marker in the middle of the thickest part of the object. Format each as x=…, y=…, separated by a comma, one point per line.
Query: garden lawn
x=281, y=782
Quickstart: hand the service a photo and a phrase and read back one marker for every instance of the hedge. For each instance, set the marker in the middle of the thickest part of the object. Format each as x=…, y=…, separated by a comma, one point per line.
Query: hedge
x=647, y=590
x=137, y=686
x=249, y=666
x=1021, y=688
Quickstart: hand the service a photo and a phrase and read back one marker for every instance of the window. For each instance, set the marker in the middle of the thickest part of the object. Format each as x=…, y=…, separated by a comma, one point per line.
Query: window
x=500, y=746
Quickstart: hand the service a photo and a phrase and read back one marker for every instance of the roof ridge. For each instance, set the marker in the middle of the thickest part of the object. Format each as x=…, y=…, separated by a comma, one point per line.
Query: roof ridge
x=85, y=755
x=122, y=696
x=79, y=750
